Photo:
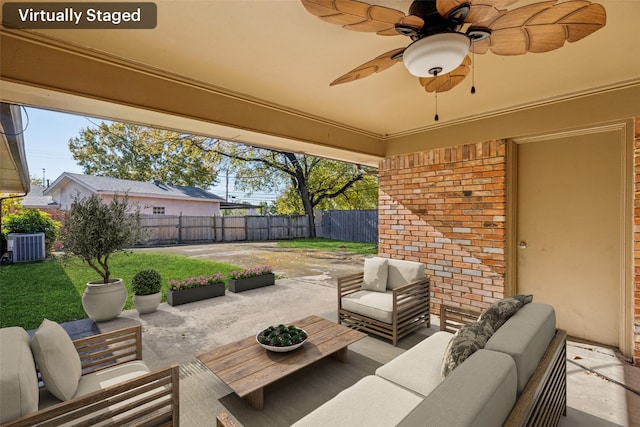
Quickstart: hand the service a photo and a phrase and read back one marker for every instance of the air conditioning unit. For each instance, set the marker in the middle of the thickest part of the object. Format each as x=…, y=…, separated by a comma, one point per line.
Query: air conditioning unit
x=26, y=247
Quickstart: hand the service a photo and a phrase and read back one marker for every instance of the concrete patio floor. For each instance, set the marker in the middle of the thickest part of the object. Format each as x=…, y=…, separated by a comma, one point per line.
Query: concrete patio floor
x=602, y=389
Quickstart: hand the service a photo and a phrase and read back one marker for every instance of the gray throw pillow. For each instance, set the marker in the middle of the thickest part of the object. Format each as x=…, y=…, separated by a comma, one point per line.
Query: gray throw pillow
x=499, y=312
x=469, y=339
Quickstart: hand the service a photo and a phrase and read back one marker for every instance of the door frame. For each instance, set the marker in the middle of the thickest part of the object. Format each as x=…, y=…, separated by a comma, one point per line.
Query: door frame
x=625, y=131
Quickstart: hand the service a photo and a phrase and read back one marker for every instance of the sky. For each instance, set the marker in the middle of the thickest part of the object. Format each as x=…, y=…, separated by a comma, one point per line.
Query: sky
x=46, y=139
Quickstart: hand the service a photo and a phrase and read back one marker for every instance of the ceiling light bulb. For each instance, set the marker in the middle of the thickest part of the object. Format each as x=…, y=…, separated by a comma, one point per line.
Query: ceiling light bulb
x=436, y=54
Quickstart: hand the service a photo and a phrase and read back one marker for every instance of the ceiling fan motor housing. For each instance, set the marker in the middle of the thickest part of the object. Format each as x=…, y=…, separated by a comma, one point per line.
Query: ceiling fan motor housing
x=436, y=54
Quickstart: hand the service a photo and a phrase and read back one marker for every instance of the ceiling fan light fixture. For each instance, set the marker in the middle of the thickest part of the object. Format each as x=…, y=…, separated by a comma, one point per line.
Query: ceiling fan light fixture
x=442, y=52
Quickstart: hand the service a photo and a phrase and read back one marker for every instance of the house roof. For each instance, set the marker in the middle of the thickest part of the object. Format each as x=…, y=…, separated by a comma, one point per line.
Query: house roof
x=36, y=199
x=107, y=185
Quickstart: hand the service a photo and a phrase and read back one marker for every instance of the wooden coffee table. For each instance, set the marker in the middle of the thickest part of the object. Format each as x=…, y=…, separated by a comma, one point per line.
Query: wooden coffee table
x=247, y=368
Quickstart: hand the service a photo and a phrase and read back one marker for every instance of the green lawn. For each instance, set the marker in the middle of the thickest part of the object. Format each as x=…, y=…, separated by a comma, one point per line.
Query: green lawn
x=53, y=289
x=322, y=244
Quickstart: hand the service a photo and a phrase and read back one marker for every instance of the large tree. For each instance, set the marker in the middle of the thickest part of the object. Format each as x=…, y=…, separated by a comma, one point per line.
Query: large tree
x=122, y=150
x=306, y=182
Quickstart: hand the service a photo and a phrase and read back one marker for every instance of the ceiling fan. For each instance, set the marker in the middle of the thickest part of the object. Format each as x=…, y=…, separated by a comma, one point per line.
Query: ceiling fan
x=443, y=32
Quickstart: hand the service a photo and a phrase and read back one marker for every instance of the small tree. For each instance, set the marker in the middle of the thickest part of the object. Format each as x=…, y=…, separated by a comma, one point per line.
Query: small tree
x=93, y=230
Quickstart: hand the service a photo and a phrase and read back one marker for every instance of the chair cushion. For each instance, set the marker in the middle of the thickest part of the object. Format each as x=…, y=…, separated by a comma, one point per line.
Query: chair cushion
x=469, y=339
x=480, y=392
x=375, y=274
x=371, y=401
x=418, y=369
x=404, y=272
x=500, y=311
x=104, y=378
x=57, y=359
x=377, y=305
x=18, y=379
x=525, y=337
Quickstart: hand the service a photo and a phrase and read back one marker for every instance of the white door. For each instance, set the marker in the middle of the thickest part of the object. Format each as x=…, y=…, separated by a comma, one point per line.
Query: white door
x=569, y=231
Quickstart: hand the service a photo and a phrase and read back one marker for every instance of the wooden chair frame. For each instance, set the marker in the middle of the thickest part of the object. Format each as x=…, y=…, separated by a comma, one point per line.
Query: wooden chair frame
x=411, y=304
x=159, y=407
x=544, y=398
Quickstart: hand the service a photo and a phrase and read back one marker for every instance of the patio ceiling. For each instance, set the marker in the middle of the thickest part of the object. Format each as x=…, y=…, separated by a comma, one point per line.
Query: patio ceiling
x=259, y=72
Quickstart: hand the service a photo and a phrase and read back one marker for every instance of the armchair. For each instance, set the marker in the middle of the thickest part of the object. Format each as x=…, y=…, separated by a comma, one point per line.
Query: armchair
x=390, y=298
x=115, y=387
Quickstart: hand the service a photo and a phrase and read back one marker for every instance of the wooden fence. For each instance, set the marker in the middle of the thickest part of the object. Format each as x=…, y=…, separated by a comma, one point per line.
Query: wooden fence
x=354, y=226
x=172, y=229
x=350, y=226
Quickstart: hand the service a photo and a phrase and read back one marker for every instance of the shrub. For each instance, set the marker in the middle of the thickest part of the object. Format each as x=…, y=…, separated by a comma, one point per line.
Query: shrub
x=146, y=282
x=33, y=221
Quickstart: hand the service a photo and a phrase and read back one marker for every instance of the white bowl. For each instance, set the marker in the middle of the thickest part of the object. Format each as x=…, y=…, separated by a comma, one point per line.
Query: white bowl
x=282, y=349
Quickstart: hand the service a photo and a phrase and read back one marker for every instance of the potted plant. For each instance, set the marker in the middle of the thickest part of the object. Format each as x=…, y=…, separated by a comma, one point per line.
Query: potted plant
x=251, y=278
x=194, y=289
x=146, y=291
x=93, y=231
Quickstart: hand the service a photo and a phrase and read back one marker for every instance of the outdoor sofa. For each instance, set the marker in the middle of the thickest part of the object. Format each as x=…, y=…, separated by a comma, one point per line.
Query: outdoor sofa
x=98, y=380
x=516, y=378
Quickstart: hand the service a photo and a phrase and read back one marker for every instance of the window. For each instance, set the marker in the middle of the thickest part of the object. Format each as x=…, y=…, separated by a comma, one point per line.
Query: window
x=158, y=210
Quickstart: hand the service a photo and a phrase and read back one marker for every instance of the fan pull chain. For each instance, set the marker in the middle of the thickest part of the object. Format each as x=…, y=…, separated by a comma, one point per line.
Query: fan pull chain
x=473, y=71
x=435, y=77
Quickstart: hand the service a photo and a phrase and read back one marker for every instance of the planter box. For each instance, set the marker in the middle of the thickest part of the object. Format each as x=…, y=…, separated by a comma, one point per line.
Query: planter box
x=184, y=296
x=241, y=285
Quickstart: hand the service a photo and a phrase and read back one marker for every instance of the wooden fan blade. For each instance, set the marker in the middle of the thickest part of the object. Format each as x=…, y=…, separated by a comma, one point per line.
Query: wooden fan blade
x=447, y=81
x=481, y=46
x=358, y=16
x=542, y=27
x=481, y=10
x=376, y=65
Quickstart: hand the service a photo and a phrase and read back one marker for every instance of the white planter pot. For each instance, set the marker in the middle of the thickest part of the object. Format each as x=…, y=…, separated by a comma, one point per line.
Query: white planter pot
x=147, y=303
x=104, y=301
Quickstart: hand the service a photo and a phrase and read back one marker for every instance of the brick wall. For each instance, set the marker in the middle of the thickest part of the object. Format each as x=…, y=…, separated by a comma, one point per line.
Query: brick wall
x=446, y=208
x=636, y=244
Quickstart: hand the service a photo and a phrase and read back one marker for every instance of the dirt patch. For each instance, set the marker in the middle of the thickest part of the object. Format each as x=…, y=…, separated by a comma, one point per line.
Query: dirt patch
x=286, y=262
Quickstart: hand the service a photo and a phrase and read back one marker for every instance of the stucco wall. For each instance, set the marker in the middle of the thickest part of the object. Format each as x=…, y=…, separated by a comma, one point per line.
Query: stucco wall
x=66, y=193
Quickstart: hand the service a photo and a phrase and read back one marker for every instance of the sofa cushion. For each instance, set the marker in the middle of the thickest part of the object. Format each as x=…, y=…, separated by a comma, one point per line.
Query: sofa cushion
x=418, y=369
x=57, y=359
x=18, y=379
x=375, y=274
x=499, y=312
x=377, y=305
x=469, y=339
x=371, y=401
x=525, y=337
x=480, y=392
x=104, y=378
x=403, y=272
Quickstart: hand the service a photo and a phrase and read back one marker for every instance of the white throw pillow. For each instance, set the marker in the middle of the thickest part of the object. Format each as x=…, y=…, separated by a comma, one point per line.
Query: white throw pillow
x=375, y=274
x=57, y=359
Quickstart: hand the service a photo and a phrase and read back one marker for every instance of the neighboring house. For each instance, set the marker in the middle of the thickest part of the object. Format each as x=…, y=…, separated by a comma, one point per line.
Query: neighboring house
x=154, y=197
x=35, y=199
